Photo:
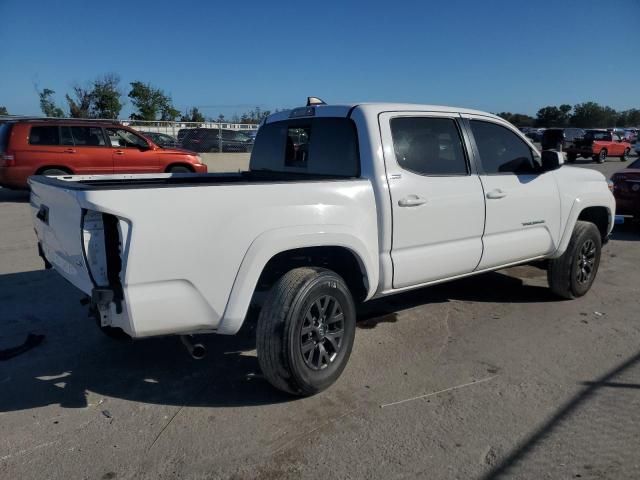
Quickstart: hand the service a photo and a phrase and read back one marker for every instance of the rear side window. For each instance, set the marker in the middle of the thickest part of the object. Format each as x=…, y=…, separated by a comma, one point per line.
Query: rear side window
x=501, y=150
x=320, y=146
x=44, y=135
x=428, y=146
x=5, y=133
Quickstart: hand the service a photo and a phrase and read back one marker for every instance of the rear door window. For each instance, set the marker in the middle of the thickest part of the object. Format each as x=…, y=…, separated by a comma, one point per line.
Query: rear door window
x=88, y=136
x=428, y=146
x=44, y=135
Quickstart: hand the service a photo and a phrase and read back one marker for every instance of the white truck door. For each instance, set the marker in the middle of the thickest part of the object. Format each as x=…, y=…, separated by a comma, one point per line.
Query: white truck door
x=522, y=204
x=437, y=199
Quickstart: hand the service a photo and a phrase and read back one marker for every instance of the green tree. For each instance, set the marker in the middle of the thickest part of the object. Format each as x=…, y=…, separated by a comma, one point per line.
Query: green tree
x=151, y=102
x=193, y=115
x=629, y=118
x=47, y=105
x=518, y=119
x=3, y=110
x=552, y=116
x=590, y=114
x=80, y=107
x=254, y=116
x=106, y=96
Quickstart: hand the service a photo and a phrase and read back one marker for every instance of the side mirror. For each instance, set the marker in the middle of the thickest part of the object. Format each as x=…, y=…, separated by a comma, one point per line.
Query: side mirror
x=551, y=160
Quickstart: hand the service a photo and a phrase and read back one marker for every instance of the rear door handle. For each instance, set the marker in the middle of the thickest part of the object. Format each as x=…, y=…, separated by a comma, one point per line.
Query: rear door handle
x=119, y=152
x=412, y=201
x=497, y=193
x=70, y=150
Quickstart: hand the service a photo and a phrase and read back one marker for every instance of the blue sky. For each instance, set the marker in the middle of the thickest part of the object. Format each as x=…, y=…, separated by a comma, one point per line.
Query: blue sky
x=495, y=55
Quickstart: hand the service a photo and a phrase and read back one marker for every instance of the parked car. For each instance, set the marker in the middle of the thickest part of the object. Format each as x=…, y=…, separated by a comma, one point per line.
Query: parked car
x=631, y=135
x=598, y=144
x=536, y=134
x=182, y=133
x=309, y=232
x=208, y=140
x=162, y=139
x=559, y=138
x=626, y=190
x=251, y=134
x=69, y=146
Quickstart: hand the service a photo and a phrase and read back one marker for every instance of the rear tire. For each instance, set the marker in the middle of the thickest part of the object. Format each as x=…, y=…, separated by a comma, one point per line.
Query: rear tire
x=571, y=157
x=572, y=274
x=306, y=330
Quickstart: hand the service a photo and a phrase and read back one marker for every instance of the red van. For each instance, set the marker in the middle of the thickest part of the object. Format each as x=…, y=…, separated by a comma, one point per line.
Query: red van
x=68, y=146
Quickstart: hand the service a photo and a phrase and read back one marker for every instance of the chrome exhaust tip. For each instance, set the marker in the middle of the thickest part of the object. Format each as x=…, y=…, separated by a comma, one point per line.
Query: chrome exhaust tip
x=197, y=350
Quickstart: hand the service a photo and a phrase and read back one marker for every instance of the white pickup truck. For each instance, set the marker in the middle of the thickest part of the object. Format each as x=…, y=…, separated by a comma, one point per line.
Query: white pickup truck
x=341, y=204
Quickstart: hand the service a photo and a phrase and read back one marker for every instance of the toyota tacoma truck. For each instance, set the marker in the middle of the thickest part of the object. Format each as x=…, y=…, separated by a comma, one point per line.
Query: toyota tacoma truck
x=340, y=205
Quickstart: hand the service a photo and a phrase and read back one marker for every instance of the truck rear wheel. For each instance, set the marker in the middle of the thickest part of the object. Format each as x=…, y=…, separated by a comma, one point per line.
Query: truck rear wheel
x=571, y=157
x=305, y=330
x=572, y=274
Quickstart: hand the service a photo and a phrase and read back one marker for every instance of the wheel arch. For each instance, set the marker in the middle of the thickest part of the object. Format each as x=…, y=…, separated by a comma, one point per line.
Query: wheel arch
x=600, y=215
x=276, y=250
x=59, y=167
x=179, y=164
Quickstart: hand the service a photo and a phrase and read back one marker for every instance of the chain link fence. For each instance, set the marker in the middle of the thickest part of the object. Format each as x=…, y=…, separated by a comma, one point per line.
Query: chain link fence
x=201, y=137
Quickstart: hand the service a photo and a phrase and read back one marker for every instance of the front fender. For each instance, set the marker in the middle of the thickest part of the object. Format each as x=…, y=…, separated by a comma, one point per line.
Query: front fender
x=595, y=199
x=276, y=241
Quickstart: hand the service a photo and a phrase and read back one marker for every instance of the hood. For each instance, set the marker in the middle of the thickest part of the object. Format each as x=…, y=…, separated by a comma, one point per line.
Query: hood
x=580, y=174
x=174, y=150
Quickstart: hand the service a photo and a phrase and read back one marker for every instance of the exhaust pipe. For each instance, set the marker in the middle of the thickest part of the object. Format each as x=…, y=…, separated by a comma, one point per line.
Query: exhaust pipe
x=196, y=350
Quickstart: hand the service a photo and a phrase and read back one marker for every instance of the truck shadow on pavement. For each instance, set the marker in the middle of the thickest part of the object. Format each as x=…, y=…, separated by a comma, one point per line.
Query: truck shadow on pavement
x=77, y=365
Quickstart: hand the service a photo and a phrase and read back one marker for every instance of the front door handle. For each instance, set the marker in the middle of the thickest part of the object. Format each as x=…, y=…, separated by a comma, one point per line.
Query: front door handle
x=497, y=193
x=411, y=201
x=70, y=150
x=119, y=152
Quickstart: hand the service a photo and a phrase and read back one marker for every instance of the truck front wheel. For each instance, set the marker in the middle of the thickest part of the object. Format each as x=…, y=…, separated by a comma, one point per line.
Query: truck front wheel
x=601, y=156
x=305, y=330
x=572, y=274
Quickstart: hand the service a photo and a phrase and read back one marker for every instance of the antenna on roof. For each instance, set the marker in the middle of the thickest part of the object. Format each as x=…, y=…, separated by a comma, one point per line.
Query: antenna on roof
x=315, y=101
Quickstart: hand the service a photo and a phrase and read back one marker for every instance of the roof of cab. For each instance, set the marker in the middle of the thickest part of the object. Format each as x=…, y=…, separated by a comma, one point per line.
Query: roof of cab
x=375, y=108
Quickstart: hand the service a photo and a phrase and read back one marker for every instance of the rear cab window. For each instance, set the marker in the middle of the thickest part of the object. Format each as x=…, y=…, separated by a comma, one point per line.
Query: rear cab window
x=314, y=146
